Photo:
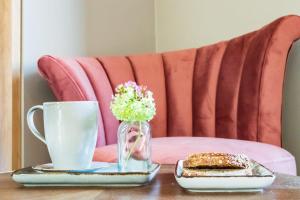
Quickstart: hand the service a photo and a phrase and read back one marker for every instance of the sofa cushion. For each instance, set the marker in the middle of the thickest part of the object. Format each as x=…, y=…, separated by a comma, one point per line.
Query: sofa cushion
x=167, y=150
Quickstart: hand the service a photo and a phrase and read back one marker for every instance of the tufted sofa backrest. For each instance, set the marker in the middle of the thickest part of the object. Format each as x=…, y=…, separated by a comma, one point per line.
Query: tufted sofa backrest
x=232, y=89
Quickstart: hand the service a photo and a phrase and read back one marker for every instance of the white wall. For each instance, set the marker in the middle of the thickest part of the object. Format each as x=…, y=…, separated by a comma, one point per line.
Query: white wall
x=76, y=27
x=49, y=27
x=194, y=23
x=120, y=27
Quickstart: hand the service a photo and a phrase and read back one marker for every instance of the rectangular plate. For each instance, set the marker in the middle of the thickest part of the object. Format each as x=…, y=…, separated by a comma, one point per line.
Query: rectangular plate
x=102, y=177
x=261, y=177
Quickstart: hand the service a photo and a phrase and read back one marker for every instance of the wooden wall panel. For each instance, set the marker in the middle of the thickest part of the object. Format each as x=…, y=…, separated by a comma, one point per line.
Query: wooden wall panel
x=17, y=99
x=10, y=85
x=5, y=87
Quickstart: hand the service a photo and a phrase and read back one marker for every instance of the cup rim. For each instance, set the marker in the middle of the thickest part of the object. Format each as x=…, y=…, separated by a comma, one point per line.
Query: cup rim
x=68, y=102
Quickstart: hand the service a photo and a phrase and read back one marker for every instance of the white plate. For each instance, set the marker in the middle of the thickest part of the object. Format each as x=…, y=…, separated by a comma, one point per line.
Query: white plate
x=108, y=176
x=94, y=166
x=261, y=177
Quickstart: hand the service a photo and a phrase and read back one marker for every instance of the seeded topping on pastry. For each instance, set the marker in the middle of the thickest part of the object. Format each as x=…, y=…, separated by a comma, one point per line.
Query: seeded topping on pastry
x=216, y=161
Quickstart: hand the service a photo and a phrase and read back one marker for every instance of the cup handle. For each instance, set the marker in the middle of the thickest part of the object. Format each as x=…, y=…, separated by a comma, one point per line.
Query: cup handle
x=31, y=125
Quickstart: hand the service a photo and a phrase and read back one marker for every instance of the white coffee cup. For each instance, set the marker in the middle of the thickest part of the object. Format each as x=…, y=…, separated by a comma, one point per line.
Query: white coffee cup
x=71, y=129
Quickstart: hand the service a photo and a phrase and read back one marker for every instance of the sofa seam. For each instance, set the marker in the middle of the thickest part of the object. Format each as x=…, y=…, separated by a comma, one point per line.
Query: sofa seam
x=92, y=85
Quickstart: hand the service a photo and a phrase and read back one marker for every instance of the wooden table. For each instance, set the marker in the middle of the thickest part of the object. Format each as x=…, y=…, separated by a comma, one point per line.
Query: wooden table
x=164, y=186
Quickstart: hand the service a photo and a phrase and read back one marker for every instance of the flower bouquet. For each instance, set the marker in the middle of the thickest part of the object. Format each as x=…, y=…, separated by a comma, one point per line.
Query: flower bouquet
x=134, y=106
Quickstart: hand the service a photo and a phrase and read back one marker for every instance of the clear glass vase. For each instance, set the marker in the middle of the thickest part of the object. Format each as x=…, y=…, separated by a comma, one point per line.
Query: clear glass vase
x=134, y=148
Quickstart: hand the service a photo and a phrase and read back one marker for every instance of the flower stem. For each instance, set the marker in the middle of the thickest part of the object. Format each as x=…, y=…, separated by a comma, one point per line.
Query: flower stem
x=135, y=143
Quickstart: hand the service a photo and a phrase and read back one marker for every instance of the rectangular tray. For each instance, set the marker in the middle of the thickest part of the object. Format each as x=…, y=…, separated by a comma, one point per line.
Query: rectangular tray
x=108, y=177
x=261, y=177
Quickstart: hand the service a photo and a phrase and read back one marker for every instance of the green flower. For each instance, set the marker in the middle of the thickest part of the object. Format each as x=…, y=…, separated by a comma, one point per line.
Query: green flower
x=133, y=103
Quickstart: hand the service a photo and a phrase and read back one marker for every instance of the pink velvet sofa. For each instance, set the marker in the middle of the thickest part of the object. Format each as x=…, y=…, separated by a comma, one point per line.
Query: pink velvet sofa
x=223, y=97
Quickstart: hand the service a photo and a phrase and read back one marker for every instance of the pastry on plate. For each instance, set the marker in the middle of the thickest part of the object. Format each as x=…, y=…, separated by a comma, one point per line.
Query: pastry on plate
x=216, y=164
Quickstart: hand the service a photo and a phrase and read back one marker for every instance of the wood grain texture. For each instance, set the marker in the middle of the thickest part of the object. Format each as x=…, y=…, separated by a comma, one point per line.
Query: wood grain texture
x=164, y=186
x=5, y=86
x=16, y=84
x=10, y=84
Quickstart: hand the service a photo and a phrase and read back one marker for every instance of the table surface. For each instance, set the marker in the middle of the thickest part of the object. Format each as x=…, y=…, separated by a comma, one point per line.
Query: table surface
x=164, y=186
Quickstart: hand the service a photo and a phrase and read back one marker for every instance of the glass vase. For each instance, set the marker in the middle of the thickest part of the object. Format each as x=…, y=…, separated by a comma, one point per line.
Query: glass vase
x=134, y=148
